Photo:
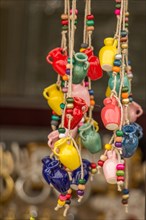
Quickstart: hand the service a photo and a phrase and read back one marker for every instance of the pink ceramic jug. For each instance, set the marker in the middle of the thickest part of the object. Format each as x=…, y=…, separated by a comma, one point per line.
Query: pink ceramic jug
x=80, y=91
x=111, y=114
x=109, y=167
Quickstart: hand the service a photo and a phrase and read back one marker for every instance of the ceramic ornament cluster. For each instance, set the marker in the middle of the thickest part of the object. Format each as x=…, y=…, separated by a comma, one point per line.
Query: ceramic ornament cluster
x=72, y=102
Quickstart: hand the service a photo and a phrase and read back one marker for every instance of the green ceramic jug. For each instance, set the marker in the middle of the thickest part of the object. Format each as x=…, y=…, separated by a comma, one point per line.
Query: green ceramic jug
x=118, y=80
x=80, y=68
x=90, y=139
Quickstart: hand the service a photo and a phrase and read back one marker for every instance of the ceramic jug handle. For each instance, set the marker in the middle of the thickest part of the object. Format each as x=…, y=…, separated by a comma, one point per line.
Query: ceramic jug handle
x=45, y=94
x=55, y=151
x=85, y=109
x=48, y=59
x=82, y=136
x=86, y=65
x=140, y=112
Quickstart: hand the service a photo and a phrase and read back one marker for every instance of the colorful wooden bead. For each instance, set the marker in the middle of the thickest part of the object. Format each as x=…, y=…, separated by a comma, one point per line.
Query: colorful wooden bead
x=55, y=118
x=76, y=11
x=125, y=191
x=93, y=165
x=100, y=163
x=69, y=110
x=120, y=167
x=125, y=95
x=81, y=181
x=90, y=17
x=93, y=171
x=92, y=102
x=124, y=46
x=120, y=173
x=53, y=122
x=119, y=133
x=120, y=178
x=91, y=92
x=69, y=100
x=62, y=197
x=62, y=105
x=68, y=70
x=61, y=130
x=118, y=56
x=125, y=101
x=117, y=63
x=103, y=157
x=118, y=144
x=118, y=139
x=65, y=89
x=124, y=201
x=68, y=196
x=64, y=22
x=64, y=27
x=127, y=14
x=117, y=12
x=81, y=187
x=90, y=28
x=61, y=203
x=64, y=16
x=125, y=196
x=70, y=105
x=108, y=146
x=118, y=6
x=125, y=89
x=80, y=192
x=90, y=23
x=123, y=39
x=123, y=33
x=65, y=78
x=116, y=69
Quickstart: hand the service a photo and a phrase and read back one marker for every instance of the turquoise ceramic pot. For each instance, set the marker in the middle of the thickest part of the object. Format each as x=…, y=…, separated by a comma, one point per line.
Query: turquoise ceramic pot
x=80, y=68
x=90, y=138
x=118, y=80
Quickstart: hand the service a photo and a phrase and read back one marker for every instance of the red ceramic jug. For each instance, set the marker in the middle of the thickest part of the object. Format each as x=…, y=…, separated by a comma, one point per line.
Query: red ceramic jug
x=80, y=107
x=111, y=114
x=94, y=71
x=58, y=60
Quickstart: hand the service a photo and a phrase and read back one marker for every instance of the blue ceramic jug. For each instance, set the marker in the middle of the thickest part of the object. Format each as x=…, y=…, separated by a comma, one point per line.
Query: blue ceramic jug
x=54, y=174
x=76, y=174
x=130, y=140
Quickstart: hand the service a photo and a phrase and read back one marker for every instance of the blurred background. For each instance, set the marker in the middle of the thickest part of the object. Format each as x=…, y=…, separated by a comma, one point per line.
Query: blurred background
x=29, y=29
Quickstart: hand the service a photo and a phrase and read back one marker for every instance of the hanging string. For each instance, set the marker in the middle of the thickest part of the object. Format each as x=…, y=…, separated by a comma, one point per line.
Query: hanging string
x=120, y=25
x=71, y=46
x=85, y=15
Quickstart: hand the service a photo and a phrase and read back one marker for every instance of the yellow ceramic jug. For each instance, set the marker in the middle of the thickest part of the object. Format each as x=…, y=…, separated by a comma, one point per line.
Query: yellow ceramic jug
x=107, y=54
x=54, y=97
x=67, y=153
x=108, y=92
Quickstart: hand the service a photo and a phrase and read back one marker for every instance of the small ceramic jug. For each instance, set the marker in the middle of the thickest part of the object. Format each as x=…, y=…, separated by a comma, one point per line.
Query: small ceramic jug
x=90, y=139
x=94, y=71
x=55, y=175
x=107, y=54
x=58, y=60
x=111, y=114
x=134, y=111
x=80, y=108
x=67, y=153
x=80, y=68
x=130, y=140
x=80, y=91
x=109, y=167
x=54, y=136
x=118, y=81
x=76, y=174
x=54, y=98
